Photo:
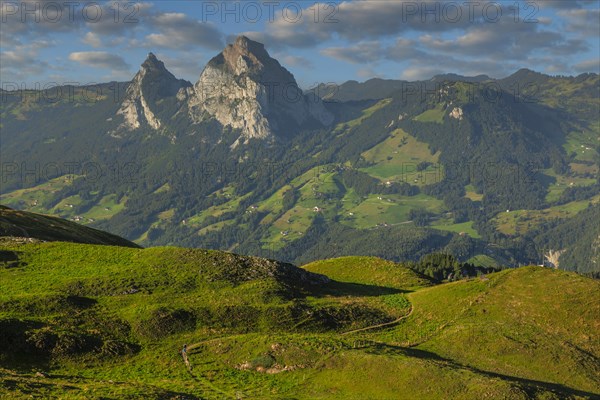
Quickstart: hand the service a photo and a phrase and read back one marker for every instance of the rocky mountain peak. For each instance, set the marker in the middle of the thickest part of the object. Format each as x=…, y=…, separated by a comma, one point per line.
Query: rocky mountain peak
x=152, y=83
x=242, y=87
x=154, y=74
x=154, y=64
x=246, y=56
x=245, y=88
x=244, y=42
x=248, y=47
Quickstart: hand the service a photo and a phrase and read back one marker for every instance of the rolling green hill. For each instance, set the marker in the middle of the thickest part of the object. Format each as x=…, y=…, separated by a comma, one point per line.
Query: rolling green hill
x=85, y=321
x=371, y=270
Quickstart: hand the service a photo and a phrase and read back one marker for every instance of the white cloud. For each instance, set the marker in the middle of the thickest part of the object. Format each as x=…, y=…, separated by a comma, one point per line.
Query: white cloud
x=183, y=67
x=588, y=66
x=23, y=62
x=177, y=31
x=92, y=39
x=99, y=59
x=582, y=21
x=110, y=18
x=477, y=38
x=370, y=33
x=295, y=61
x=362, y=52
x=367, y=73
x=370, y=20
x=564, y=4
x=420, y=72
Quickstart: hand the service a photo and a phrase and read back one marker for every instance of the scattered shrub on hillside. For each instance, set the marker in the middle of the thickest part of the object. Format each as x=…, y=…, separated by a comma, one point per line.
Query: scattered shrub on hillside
x=164, y=322
x=9, y=259
x=71, y=343
x=396, y=300
x=287, y=316
x=115, y=328
x=264, y=361
x=118, y=348
x=349, y=316
x=40, y=341
x=109, y=287
x=242, y=317
x=43, y=305
x=14, y=335
x=30, y=338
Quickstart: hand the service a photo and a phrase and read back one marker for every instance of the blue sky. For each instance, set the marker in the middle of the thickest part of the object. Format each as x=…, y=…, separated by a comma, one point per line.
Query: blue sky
x=48, y=42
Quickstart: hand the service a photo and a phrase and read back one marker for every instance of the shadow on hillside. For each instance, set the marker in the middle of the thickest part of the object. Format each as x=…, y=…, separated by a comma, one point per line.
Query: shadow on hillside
x=18, y=350
x=10, y=259
x=339, y=289
x=530, y=386
x=31, y=387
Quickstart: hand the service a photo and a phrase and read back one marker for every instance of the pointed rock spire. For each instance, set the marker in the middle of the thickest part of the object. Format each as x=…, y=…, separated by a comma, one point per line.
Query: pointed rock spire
x=154, y=64
x=245, y=88
x=152, y=83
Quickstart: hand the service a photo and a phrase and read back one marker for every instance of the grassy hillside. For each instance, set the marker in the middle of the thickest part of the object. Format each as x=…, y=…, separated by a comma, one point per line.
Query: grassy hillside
x=502, y=322
x=15, y=223
x=397, y=159
x=512, y=222
x=88, y=322
x=370, y=270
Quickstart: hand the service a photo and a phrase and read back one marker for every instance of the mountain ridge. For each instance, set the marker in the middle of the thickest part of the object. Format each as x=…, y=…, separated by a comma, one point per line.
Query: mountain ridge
x=152, y=83
x=242, y=88
x=22, y=224
x=398, y=177
x=378, y=88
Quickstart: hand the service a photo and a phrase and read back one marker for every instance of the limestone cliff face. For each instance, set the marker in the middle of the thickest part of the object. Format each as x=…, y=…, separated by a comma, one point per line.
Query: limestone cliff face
x=151, y=84
x=243, y=88
x=246, y=89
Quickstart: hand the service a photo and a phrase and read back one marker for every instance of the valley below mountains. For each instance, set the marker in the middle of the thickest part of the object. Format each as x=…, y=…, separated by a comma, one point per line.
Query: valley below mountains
x=494, y=172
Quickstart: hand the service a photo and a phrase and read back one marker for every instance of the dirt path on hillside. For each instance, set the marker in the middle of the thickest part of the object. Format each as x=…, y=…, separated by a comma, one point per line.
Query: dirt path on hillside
x=213, y=392
x=209, y=390
x=391, y=323
x=194, y=345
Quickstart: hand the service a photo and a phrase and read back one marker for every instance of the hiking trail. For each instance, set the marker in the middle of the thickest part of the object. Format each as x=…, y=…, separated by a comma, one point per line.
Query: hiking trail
x=391, y=323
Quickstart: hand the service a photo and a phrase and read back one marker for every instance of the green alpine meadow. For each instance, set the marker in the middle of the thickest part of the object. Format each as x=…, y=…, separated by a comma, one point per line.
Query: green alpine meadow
x=103, y=319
